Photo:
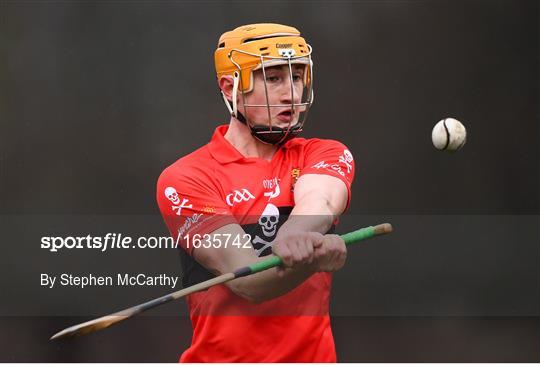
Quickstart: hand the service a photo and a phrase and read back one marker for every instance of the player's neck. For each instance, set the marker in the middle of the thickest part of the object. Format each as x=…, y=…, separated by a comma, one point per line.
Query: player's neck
x=240, y=137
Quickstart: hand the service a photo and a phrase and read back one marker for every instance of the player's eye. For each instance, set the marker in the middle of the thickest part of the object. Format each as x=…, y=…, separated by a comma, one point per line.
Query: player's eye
x=297, y=77
x=272, y=78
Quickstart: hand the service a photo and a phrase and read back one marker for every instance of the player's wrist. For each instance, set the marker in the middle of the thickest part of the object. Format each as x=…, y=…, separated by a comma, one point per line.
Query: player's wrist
x=290, y=228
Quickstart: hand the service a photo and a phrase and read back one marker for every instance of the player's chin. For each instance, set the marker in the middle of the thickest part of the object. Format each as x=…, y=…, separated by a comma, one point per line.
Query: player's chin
x=285, y=121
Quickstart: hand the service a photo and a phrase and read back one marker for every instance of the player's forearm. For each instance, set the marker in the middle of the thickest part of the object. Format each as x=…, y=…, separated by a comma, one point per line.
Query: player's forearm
x=267, y=285
x=310, y=215
x=319, y=200
x=258, y=287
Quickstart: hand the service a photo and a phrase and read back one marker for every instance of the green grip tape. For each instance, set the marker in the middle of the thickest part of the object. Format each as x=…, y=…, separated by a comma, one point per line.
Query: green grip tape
x=266, y=264
x=359, y=235
x=348, y=238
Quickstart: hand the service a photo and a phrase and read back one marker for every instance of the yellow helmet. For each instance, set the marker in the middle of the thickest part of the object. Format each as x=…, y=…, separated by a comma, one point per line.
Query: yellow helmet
x=257, y=46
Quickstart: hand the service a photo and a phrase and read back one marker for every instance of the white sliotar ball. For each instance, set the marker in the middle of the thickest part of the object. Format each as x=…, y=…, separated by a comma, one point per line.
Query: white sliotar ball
x=449, y=135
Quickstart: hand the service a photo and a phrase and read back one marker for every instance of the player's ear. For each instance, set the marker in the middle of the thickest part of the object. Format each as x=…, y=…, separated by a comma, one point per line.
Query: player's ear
x=226, y=84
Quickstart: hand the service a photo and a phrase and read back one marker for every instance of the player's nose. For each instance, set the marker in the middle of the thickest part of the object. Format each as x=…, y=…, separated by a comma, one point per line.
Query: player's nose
x=288, y=93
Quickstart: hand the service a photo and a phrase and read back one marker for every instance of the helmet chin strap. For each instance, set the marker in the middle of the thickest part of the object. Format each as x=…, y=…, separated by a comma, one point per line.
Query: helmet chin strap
x=265, y=134
x=276, y=136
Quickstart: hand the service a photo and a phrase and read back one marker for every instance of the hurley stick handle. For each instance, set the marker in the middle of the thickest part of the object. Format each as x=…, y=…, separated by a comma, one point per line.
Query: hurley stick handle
x=349, y=238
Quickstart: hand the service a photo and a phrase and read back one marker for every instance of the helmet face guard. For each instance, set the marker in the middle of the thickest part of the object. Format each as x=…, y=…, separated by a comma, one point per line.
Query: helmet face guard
x=260, y=51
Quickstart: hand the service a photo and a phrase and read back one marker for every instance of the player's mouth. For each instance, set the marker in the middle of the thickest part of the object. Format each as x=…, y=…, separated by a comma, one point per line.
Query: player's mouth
x=286, y=116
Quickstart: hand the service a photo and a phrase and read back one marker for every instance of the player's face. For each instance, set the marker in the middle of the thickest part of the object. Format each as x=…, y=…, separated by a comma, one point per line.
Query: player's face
x=278, y=83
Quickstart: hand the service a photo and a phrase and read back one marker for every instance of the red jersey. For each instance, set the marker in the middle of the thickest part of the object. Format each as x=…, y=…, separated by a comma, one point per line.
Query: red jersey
x=216, y=185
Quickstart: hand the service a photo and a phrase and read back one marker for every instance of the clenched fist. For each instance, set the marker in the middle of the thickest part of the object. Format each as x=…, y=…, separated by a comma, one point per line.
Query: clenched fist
x=297, y=248
x=320, y=252
x=331, y=255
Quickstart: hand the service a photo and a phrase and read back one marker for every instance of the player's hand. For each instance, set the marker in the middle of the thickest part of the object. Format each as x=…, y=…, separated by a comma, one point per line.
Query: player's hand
x=296, y=248
x=331, y=255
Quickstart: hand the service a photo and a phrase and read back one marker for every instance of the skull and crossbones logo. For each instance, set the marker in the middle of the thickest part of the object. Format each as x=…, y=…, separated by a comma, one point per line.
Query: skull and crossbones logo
x=269, y=220
x=347, y=159
x=172, y=195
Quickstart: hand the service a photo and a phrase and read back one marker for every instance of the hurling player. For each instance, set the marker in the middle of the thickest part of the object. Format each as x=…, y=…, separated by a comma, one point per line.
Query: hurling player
x=257, y=189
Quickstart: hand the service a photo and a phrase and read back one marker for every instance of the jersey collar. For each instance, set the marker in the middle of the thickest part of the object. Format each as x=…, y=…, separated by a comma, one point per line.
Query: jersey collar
x=224, y=152
x=221, y=149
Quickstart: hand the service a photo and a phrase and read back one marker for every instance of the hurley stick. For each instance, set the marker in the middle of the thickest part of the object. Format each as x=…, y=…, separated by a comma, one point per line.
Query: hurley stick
x=106, y=321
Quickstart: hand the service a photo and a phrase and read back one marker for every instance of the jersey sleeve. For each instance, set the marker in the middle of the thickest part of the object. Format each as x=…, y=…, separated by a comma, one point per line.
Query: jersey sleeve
x=329, y=157
x=190, y=205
